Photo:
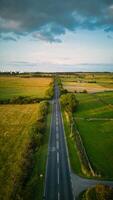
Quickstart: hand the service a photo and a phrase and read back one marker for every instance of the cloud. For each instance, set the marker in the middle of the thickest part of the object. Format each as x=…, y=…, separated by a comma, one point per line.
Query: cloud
x=9, y=37
x=48, y=20
x=109, y=37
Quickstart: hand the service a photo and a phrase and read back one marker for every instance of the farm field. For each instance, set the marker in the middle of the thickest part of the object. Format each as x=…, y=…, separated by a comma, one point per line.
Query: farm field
x=91, y=106
x=16, y=127
x=11, y=87
x=93, y=119
x=90, y=87
x=92, y=82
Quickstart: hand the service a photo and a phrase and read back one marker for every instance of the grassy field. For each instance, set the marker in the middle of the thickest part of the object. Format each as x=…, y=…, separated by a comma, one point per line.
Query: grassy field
x=90, y=105
x=90, y=87
x=11, y=87
x=92, y=82
x=106, y=97
x=94, y=120
x=97, y=135
x=16, y=126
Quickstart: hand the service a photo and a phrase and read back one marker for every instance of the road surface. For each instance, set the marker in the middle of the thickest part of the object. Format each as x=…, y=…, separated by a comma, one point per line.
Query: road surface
x=58, y=185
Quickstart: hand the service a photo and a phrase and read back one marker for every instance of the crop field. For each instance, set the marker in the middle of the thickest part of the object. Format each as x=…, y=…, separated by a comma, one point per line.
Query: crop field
x=92, y=82
x=106, y=97
x=90, y=87
x=95, y=123
x=91, y=106
x=11, y=87
x=16, y=123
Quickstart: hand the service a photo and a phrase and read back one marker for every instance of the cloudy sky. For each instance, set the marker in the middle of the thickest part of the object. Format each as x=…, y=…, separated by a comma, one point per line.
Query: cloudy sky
x=50, y=34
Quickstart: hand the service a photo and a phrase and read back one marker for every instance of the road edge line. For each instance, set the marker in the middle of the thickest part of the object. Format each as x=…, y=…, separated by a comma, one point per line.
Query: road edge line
x=67, y=152
x=48, y=151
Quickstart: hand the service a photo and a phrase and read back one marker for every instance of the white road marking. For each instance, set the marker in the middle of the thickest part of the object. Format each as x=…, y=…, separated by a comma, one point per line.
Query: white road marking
x=58, y=196
x=57, y=136
x=57, y=144
x=58, y=157
x=57, y=129
x=58, y=175
x=56, y=122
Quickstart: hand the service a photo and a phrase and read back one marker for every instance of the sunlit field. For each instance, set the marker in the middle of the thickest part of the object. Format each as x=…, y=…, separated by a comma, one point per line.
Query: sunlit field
x=11, y=87
x=95, y=123
x=94, y=120
x=91, y=82
x=16, y=123
x=89, y=87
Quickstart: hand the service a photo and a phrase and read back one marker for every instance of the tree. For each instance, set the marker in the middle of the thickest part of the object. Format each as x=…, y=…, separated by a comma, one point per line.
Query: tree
x=69, y=102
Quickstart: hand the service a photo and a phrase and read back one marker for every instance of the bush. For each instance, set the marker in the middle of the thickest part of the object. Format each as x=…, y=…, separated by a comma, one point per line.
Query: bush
x=43, y=110
x=69, y=102
x=99, y=192
x=22, y=100
x=84, y=91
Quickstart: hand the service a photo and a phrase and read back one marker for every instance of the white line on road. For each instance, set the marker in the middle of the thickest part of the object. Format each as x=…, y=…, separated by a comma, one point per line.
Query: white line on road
x=57, y=129
x=58, y=175
x=56, y=122
x=57, y=142
x=58, y=157
x=57, y=136
x=58, y=196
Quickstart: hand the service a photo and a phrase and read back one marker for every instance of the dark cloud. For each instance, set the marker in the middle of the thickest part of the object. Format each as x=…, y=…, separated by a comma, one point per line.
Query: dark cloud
x=48, y=19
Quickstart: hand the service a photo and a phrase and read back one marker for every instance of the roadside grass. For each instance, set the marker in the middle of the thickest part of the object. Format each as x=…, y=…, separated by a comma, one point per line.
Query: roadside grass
x=35, y=185
x=11, y=87
x=72, y=149
x=16, y=129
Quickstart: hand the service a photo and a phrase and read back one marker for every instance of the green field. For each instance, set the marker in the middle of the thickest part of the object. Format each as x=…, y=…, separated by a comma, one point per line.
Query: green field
x=16, y=129
x=94, y=120
x=91, y=106
x=11, y=87
x=96, y=129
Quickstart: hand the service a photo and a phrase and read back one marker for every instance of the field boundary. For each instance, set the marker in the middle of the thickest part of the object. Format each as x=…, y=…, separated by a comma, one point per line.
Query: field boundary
x=86, y=167
x=85, y=162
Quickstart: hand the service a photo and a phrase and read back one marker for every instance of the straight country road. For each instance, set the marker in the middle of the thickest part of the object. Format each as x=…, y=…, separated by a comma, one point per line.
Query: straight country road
x=58, y=185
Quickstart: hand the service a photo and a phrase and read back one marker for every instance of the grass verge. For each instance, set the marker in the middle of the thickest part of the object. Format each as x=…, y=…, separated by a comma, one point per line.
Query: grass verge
x=35, y=184
x=73, y=154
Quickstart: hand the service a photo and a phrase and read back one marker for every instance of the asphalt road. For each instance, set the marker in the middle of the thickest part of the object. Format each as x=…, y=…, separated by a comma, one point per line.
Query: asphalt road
x=58, y=185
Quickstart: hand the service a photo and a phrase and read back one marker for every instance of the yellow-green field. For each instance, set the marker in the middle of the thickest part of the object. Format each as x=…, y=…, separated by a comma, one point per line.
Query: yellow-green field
x=11, y=87
x=92, y=82
x=16, y=123
x=80, y=87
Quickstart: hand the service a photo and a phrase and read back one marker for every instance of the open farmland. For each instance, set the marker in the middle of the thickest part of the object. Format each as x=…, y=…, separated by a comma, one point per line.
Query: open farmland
x=11, y=87
x=94, y=121
x=91, y=82
x=16, y=128
x=80, y=87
